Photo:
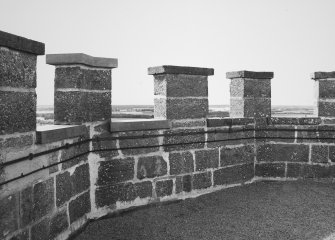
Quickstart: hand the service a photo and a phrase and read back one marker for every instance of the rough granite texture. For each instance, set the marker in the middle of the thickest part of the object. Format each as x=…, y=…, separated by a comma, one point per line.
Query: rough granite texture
x=244, y=87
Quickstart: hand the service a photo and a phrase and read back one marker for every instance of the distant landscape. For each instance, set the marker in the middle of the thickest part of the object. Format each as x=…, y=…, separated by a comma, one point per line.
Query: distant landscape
x=45, y=113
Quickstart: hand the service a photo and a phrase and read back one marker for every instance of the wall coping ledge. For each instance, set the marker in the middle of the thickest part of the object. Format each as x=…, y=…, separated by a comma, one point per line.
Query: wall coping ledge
x=169, y=69
x=54, y=133
x=322, y=75
x=218, y=122
x=21, y=44
x=121, y=125
x=249, y=74
x=81, y=58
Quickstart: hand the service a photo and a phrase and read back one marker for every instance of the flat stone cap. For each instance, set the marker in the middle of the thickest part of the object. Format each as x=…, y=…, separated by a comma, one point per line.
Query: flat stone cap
x=81, y=58
x=168, y=69
x=21, y=44
x=322, y=75
x=249, y=74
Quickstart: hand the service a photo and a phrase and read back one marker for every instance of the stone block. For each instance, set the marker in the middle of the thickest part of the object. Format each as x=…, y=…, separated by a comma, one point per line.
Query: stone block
x=220, y=122
x=134, y=143
x=40, y=231
x=21, y=141
x=109, y=195
x=43, y=198
x=26, y=206
x=79, y=207
x=325, y=109
x=150, y=167
x=282, y=153
x=164, y=188
x=184, y=184
x=322, y=75
x=249, y=74
x=202, y=180
x=188, y=123
x=237, y=155
x=307, y=134
x=105, y=148
x=115, y=171
x=76, y=107
x=184, y=139
x=63, y=188
x=21, y=44
x=270, y=170
x=58, y=223
x=181, y=85
x=125, y=125
x=17, y=69
x=168, y=69
x=250, y=107
x=18, y=112
x=295, y=170
x=326, y=133
x=234, y=174
x=254, y=88
x=8, y=215
x=181, y=108
x=181, y=163
x=80, y=179
x=205, y=159
x=326, y=89
x=72, y=152
x=332, y=153
x=83, y=78
x=319, y=153
x=276, y=134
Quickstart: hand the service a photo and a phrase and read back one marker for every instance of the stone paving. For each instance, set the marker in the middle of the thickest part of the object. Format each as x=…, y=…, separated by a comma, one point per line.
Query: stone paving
x=263, y=210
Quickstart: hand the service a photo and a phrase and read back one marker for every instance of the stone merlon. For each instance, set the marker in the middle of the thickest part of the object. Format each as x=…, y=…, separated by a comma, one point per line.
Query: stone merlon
x=322, y=75
x=249, y=74
x=21, y=44
x=81, y=58
x=167, y=69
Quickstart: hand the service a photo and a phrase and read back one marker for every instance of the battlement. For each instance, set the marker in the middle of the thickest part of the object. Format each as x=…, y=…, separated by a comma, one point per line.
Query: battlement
x=54, y=179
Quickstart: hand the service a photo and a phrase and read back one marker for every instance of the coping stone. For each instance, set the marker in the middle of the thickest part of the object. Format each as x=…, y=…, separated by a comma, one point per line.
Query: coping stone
x=168, y=69
x=81, y=58
x=120, y=125
x=54, y=133
x=21, y=44
x=249, y=74
x=322, y=75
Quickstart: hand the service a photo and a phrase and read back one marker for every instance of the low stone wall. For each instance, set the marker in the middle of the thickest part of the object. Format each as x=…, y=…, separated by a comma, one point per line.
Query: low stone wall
x=54, y=179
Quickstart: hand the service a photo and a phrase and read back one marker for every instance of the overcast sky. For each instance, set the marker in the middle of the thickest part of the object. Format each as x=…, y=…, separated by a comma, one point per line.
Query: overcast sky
x=293, y=38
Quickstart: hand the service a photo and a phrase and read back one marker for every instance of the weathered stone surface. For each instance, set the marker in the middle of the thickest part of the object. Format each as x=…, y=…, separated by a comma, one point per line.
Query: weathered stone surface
x=202, y=180
x=40, y=231
x=205, y=159
x=250, y=107
x=237, y=155
x=332, y=153
x=181, y=85
x=276, y=134
x=115, y=171
x=82, y=78
x=58, y=223
x=24, y=235
x=79, y=207
x=294, y=121
x=257, y=88
x=270, y=170
x=152, y=166
x=134, y=143
x=326, y=133
x=18, y=112
x=63, y=188
x=188, y=123
x=295, y=170
x=72, y=152
x=80, y=179
x=249, y=74
x=8, y=215
x=21, y=44
x=180, y=108
x=81, y=59
x=322, y=75
x=26, y=206
x=164, y=188
x=43, y=195
x=120, y=125
x=17, y=69
x=181, y=163
x=234, y=174
x=307, y=134
x=325, y=109
x=282, y=153
x=17, y=142
x=234, y=135
x=76, y=107
x=53, y=159
x=104, y=148
x=184, y=139
x=184, y=184
x=319, y=153
x=219, y=122
x=109, y=195
x=168, y=69
x=326, y=89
